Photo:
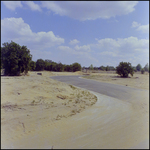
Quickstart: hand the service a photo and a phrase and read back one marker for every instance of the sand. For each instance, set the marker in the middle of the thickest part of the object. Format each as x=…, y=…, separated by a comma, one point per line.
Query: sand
x=39, y=112
x=138, y=80
x=30, y=102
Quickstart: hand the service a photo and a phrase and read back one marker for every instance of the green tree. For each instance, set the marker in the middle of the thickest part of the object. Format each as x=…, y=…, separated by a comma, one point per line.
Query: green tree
x=40, y=65
x=59, y=67
x=124, y=68
x=48, y=61
x=138, y=67
x=25, y=59
x=102, y=68
x=68, y=68
x=76, y=67
x=15, y=58
x=32, y=65
x=111, y=68
x=48, y=65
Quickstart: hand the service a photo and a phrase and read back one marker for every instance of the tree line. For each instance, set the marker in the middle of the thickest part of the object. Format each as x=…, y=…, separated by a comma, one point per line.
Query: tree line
x=140, y=68
x=111, y=68
x=102, y=68
x=16, y=59
x=50, y=65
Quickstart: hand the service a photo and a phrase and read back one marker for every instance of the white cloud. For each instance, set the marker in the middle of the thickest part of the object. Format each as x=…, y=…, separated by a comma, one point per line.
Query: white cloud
x=144, y=28
x=110, y=51
x=33, y=6
x=12, y=5
x=139, y=27
x=90, y=10
x=81, y=52
x=135, y=24
x=77, y=49
x=85, y=48
x=73, y=42
x=17, y=30
x=108, y=42
x=66, y=49
x=126, y=45
x=129, y=49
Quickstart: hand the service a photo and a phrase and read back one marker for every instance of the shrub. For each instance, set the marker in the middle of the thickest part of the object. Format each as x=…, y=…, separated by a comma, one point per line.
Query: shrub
x=124, y=69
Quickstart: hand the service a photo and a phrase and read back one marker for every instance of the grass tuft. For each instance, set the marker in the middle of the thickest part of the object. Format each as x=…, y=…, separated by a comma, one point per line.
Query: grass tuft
x=72, y=87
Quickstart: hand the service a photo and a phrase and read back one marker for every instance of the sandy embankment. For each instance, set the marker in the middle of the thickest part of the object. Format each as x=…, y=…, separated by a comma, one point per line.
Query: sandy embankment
x=30, y=102
x=38, y=112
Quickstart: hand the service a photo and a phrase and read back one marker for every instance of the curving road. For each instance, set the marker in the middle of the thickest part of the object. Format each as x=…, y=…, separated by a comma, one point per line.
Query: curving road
x=118, y=120
x=113, y=90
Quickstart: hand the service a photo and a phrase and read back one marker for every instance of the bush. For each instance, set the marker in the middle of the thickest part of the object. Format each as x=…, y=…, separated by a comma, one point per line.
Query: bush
x=142, y=71
x=124, y=69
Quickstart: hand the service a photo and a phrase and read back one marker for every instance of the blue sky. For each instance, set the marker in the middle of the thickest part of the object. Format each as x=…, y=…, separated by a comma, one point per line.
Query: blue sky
x=87, y=32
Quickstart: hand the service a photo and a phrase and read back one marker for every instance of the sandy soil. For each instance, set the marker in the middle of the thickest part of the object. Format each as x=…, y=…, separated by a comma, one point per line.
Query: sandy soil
x=39, y=112
x=30, y=102
x=138, y=80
